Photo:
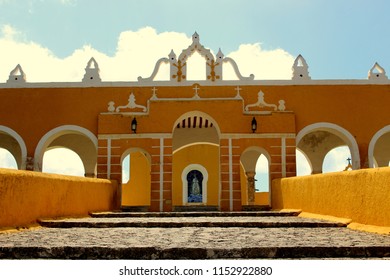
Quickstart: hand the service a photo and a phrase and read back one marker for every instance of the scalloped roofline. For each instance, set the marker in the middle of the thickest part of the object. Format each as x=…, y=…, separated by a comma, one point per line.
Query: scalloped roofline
x=178, y=74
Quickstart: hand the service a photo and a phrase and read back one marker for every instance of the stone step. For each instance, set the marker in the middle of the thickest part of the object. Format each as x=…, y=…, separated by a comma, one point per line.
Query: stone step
x=135, y=208
x=196, y=208
x=194, y=214
x=192, y=243
x=224, y=222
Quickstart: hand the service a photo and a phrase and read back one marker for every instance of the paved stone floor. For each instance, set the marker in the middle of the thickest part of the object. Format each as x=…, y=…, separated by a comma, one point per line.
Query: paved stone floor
x=193, y=242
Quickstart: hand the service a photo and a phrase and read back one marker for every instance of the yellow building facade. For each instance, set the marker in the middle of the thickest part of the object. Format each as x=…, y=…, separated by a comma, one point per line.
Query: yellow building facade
x=196, y=143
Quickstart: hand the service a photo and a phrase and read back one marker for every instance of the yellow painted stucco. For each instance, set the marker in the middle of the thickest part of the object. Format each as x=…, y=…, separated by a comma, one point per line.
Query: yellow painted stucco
x=204, y=154
x=361, y=196
x=136, y=192
x=26, y=196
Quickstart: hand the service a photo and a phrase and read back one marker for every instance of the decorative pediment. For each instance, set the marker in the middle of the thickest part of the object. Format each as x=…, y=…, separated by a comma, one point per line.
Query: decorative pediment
x=132, y=106
x=178, y=65
x=261, y=104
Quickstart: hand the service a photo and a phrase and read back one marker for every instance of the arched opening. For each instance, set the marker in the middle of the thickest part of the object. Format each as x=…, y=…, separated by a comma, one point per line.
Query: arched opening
x=126, y=169
x=302, y=163
x=336, y=159
x=7, y=160
x=75, y=138
x=195, y=146
x=196, y=67
x=255, y=176
x=136, y=178
x=316, y=140
x=379, y=148
x=194, y=179
x=13, y=147
x=262, y=174
x=58, y=160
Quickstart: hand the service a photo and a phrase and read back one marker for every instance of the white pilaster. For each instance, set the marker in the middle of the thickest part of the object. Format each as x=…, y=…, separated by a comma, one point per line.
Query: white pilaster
x=283, y=157
x=108, y=158
x=161, y=174
x=230, y=174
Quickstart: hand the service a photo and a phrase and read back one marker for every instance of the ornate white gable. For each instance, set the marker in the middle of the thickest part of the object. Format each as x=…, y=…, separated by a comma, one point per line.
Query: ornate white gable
x=178, y=65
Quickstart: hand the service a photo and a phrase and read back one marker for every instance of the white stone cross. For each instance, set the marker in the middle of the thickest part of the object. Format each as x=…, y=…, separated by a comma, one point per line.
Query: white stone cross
x=238, y=90
x=196, y=89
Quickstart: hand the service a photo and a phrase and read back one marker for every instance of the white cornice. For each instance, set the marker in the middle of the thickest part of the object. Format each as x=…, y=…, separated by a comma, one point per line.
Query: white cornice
x=190, y=83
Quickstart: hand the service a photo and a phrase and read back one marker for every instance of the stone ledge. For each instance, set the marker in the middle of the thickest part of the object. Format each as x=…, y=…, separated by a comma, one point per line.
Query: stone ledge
x=222, y=222
x=194, y=214
x=150, y=253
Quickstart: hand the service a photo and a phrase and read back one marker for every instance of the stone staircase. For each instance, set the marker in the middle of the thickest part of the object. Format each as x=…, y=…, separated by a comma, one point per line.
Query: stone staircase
x=192, y=235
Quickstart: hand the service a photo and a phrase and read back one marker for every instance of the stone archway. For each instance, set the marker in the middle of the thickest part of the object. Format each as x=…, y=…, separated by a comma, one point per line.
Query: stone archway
x=379, y=148
x=248, y=161
x=195, y=146
x=137, y=190
x=13, y=142
x=316, y=140
x=76, y=138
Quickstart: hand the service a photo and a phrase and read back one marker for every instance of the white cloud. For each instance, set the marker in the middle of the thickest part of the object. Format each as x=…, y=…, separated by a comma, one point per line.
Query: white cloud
x=264, y=64
x=62, y=161
x=136, y=55
x=336, y=159
x=303, y=166
x=7, y=160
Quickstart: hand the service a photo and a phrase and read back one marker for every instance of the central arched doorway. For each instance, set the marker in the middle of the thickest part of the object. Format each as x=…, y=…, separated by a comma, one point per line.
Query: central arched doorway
x=195, y=161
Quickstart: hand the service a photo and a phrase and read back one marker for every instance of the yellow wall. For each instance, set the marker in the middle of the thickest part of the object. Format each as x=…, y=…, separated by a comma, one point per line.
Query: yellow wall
x=137, y=191
x=205, y=155
x=362, y=195
x=26, y=196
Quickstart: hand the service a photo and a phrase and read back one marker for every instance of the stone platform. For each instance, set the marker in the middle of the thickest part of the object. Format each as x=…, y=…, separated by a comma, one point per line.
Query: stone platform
x=192, y=237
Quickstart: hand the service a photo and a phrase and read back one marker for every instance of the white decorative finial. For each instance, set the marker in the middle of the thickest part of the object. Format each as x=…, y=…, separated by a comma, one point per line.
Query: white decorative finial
x=300, y=69
x=92, y=72
x=220, y=55
x=172, y=56
x=377, y=73
x=17, y=75
x=195, y=37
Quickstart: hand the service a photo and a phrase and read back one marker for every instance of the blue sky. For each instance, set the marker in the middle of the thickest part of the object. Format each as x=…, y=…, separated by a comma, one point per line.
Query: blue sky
x=339, y=39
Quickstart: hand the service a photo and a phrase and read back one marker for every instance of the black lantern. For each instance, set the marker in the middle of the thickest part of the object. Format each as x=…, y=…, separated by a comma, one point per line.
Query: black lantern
x=134, y=125
x=254, y=125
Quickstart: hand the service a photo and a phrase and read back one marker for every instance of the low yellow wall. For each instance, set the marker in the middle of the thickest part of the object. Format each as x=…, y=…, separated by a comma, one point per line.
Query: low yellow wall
x=362, y=196
x=26, y=196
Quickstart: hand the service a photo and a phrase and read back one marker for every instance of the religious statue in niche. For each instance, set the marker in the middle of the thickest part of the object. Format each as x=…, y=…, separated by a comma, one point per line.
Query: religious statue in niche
x=194, y=185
